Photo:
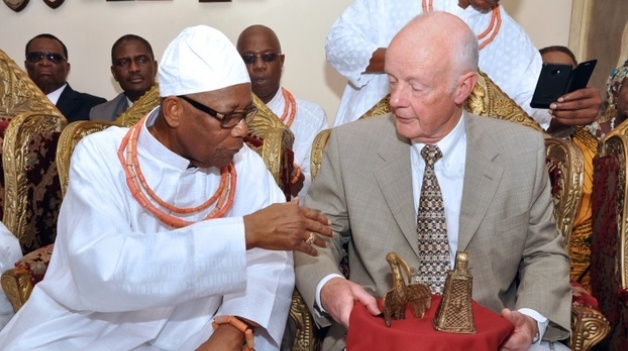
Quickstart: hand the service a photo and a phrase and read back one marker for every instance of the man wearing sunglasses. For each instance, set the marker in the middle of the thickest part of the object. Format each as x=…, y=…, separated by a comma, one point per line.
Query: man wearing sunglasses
x=260, y=49
x=172, y=235
x=134, y=67
x=47, y=65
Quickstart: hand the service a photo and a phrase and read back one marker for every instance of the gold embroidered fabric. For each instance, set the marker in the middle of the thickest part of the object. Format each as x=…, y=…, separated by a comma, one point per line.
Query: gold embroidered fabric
x=431, y=226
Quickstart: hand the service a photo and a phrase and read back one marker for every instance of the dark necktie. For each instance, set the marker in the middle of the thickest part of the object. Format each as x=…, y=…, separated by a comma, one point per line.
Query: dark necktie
x=431, y=226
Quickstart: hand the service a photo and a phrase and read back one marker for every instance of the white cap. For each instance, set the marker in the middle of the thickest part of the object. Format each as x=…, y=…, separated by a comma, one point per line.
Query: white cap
x=200, y=59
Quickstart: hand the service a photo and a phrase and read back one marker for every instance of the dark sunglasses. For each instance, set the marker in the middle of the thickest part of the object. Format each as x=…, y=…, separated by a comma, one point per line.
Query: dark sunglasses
x=266, y=57
x=36, y=56
x=227, y=120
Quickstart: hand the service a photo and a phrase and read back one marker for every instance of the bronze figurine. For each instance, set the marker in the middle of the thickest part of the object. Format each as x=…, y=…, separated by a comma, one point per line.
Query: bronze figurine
x=402, y=293
x=455, y=311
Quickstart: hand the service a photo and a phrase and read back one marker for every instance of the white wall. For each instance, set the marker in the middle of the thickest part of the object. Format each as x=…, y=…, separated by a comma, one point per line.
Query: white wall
x=89, y=28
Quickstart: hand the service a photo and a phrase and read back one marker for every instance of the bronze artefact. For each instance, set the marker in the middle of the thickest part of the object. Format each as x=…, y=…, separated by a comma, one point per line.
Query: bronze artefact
x=455, y=311
x=402, y=293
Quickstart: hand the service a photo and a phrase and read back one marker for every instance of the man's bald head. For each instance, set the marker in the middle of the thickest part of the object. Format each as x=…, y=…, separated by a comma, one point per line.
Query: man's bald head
x=442, y=35
x=261, y=31
x=260, y=49
x=431, y=66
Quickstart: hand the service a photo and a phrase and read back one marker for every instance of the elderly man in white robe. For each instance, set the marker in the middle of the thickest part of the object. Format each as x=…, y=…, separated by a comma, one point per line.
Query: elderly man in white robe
x=171, y=235
x=357, y=41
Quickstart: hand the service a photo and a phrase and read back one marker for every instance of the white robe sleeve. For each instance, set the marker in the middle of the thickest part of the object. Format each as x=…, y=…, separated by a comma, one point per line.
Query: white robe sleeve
x=10, y=252
x=352, y=40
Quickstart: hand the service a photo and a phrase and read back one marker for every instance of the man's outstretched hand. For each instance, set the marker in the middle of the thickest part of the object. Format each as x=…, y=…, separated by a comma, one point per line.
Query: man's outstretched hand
x=287, y=226
x=339, y=295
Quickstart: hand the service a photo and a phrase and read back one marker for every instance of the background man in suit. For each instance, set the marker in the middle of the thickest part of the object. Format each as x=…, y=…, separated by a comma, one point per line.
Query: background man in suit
x=134, y=67
x=495, y=190
x=47, y=65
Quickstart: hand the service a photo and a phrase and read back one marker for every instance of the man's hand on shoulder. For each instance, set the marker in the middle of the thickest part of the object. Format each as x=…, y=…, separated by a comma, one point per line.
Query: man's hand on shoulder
x=339, y=295
x=526, y=328
x=579, y=107
x=287, y=226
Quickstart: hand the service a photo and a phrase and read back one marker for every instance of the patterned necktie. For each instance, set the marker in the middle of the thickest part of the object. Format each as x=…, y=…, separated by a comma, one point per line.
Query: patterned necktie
x=431, y=226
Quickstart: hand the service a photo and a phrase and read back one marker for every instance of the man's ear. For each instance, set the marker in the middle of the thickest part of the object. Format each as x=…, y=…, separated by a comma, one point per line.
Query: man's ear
x=172, y=110
x=466, y=83
x=113, y=74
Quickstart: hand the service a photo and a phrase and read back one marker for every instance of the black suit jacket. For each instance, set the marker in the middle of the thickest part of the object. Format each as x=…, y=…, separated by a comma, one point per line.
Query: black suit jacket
x=76, y=106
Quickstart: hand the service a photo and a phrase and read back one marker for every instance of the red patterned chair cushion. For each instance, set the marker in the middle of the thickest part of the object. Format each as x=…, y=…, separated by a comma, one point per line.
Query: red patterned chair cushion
x=43, y=191
x=607, y=193
x=35, y=263
x=581, y=297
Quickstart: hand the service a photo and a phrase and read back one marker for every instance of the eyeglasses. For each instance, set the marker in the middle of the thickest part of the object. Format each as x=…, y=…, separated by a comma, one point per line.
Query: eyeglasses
x=36, y=56
x=227, y=120
x=266, y=57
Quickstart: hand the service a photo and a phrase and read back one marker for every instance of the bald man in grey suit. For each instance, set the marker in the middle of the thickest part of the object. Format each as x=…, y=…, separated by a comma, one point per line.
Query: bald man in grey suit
x=495, y=189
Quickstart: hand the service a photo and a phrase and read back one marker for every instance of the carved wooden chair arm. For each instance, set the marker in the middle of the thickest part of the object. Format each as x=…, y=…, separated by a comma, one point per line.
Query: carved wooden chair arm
x=588, y=327
x=17, y=285
x=305, y=338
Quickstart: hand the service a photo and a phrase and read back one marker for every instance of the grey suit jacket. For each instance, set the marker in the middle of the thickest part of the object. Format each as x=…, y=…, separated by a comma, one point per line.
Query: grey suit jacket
x=517, y=258
x=110, y=110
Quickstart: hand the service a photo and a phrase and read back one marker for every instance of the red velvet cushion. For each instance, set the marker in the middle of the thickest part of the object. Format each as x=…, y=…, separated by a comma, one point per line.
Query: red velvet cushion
x=581, y=297
x=35, y=263
x=367, y=332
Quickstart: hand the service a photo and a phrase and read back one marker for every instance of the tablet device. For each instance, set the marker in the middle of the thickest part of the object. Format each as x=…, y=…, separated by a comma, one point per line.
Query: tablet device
x=556, y=80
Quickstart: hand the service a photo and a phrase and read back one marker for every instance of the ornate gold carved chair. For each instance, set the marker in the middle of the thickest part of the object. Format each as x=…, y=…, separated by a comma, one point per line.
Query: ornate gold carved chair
x=565, y=165
x=32, y=196
x=609, y=249
x=18, y=94
x=566, y=169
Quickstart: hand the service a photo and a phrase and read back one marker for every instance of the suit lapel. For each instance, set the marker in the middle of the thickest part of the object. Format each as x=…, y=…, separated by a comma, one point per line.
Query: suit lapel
x=393, y=174
x=65, y=104
x=120, y=106
x=481, y=179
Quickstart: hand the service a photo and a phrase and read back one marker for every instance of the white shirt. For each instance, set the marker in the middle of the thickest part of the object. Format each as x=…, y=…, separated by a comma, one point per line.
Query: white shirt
x=55, y=95
x=121, y=280
x=511, y=60
x=309, y=120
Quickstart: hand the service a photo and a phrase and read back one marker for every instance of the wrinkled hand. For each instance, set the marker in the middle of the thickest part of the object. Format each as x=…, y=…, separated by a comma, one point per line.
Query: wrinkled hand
x=286, y=226
x=339, y=295
x=525, y=331
x=580, y=107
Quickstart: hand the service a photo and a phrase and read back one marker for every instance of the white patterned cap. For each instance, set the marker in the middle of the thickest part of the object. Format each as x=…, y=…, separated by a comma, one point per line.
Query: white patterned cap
x=200, y=59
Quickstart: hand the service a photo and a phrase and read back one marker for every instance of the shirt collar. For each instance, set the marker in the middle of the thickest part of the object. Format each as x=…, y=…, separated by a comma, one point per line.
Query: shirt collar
x=55, y=95
x=148, y=142
x=448, y=144
x=277, y=102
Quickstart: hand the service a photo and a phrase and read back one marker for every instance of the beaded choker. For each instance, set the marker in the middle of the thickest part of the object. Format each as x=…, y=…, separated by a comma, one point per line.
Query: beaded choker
x=290, y=106
x=223, y=197
x=491, y=31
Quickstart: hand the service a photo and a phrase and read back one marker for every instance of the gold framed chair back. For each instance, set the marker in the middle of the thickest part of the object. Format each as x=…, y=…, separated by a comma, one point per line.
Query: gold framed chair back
x=566, y=169
x=18, y=94
x=33, y=194
x=70, y=136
